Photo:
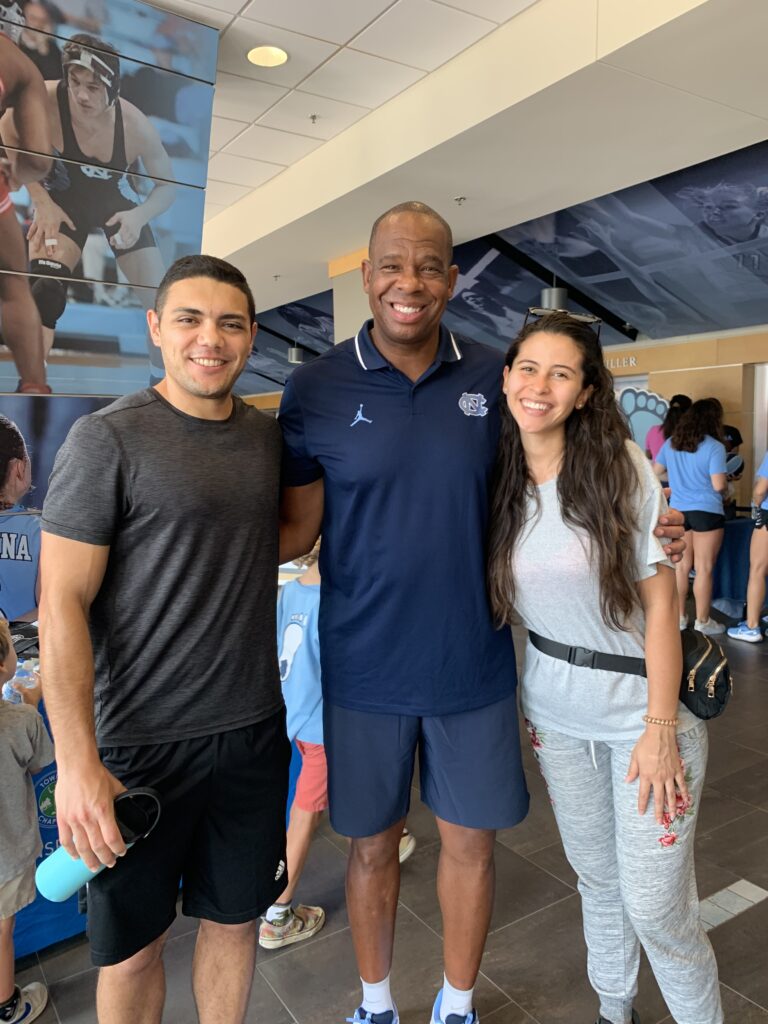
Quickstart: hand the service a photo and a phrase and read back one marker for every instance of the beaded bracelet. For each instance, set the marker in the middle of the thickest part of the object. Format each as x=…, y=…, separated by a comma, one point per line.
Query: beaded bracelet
x=650, y=720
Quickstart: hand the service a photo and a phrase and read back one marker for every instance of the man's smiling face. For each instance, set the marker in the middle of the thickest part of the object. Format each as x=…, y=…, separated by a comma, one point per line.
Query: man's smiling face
x=205, y=334
x=409, y=279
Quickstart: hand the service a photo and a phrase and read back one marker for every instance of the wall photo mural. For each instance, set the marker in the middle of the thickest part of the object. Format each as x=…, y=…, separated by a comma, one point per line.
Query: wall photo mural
x=105, y=114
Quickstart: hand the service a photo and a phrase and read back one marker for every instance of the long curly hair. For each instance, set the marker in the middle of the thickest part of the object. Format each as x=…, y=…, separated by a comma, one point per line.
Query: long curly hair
x=703, y=419
x=595, y=485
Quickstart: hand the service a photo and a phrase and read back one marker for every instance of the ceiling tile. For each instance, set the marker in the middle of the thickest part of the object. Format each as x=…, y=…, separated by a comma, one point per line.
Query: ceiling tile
x=222, y=193
x=242, y=99
x=278, y=147
x=236, y=170
x=211, y=210
x=422, y=34
x=335, y=20
x=223, y=131
x=496, y=10
x=291, y=114
x=354, y=77
x=304, y=54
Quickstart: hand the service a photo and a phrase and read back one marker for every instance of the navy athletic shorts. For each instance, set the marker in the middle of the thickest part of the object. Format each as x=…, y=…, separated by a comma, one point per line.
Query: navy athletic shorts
x=221, y=832
x=470, y=767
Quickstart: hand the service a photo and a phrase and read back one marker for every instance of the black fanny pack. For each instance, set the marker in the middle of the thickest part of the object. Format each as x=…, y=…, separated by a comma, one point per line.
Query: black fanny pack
x=706, y=685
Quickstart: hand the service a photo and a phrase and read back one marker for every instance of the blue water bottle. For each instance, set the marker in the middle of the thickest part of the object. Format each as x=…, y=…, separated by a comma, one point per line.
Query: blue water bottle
x=59, y=876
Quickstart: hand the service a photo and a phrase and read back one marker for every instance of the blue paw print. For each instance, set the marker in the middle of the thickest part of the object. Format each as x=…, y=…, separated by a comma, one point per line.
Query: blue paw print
x=643, y=410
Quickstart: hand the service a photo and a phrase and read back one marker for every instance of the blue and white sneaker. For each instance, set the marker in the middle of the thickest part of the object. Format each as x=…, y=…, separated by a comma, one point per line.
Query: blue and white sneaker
x=452, y=1018
x=361, y=1016
x=32, y=1002
x=745, y=632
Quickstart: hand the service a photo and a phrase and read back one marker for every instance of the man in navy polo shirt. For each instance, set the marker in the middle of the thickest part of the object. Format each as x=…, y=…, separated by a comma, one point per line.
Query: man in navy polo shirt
x=390, y=442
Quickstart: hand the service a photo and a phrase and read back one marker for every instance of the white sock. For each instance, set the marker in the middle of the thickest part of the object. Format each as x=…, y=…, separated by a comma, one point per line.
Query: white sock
x=376, y=996
x=455, y=1000
x=277, y=912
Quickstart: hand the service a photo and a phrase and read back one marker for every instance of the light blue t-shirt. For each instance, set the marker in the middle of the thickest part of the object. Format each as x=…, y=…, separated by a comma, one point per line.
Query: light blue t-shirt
x=298, y=655
x=763, y=471
x=689, y=476
x=19, y=561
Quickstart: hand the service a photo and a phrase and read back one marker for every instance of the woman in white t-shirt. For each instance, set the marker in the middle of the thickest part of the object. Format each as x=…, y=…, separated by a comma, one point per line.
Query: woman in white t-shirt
x=573, y=554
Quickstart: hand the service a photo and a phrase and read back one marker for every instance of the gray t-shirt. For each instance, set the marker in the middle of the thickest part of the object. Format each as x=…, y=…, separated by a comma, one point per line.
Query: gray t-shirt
x=25, y=748
x=183, y=627
x=558, y=596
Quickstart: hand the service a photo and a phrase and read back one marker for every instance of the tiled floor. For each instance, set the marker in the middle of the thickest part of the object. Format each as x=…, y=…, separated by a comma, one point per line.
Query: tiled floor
x=534, y=966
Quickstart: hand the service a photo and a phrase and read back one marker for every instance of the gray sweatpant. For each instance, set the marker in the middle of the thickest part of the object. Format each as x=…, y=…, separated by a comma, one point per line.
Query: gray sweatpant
x=636, y=877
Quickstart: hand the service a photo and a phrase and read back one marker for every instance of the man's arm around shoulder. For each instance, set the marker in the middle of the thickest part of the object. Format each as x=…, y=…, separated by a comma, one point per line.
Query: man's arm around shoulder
x=71, y=575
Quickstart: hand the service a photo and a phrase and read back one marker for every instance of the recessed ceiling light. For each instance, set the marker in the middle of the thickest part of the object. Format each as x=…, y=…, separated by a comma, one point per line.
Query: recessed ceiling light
x=267, y=56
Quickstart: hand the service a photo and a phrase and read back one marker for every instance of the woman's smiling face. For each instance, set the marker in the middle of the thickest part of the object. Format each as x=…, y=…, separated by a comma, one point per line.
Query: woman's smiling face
x=545, y=383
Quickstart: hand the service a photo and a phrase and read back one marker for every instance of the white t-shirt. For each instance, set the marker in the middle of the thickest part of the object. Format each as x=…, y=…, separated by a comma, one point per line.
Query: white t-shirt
x=558, y=597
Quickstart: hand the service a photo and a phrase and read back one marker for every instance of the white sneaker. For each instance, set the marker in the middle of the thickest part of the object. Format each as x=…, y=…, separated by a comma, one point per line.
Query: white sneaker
x=683, y=622
x=710, y=628
x=33, y=1000
x=407, y=846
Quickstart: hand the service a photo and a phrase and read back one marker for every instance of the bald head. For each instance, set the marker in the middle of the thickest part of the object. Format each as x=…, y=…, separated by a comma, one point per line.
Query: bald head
x=420, y=210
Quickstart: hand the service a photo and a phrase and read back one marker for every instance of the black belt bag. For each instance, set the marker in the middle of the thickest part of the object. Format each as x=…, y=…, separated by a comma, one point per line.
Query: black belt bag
x=706, y=685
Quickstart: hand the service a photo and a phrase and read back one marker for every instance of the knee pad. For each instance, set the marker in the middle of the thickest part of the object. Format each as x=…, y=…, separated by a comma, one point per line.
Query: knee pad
x=49, y=293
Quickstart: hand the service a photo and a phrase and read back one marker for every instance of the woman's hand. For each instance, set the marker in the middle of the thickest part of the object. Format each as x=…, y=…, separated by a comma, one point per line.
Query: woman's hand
x=656, y=762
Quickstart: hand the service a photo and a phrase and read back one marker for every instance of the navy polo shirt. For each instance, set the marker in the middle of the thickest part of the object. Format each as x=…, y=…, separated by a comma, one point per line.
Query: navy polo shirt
x=405, y=626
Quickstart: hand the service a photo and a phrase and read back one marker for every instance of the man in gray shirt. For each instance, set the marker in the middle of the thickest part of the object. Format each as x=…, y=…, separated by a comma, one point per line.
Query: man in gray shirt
x=160, y=553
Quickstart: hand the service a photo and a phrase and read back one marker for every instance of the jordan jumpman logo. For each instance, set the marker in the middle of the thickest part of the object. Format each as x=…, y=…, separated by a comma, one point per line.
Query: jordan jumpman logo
x=359, y=418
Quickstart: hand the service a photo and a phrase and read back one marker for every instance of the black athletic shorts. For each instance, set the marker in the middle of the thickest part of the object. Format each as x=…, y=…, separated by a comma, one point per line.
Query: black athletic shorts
x=703, y=522
x=221, y=835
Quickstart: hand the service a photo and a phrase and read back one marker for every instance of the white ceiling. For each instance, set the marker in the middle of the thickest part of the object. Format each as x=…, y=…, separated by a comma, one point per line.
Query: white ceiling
x=433, y=99
x=346, y=58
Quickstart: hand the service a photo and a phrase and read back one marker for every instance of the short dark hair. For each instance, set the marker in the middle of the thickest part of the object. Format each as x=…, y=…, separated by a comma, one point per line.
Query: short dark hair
x=12, y=446
x=413, y=207
x=204, y=266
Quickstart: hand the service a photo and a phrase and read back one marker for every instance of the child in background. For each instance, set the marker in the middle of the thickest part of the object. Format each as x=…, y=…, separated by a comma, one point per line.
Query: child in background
x=299, y=660
x=25, y=748
x=750, y=629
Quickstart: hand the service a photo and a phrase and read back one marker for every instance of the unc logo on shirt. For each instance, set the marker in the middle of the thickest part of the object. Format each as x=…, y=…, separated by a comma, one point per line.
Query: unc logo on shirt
x=95, y=172
x=473, y=405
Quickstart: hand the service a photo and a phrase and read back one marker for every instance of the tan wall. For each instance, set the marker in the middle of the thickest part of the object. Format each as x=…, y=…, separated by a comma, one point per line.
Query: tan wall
x=269, y=402
x=632, y=360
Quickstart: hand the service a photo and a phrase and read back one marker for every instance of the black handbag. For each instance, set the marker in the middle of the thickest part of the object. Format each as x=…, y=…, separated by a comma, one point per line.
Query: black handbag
x=706, y=685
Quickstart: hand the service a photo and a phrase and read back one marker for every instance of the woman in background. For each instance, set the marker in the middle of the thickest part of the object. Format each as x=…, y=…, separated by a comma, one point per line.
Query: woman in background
x=657, y=435
x=750, y=629
x=694, y=460
x=572, y=553
x=19, y=529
